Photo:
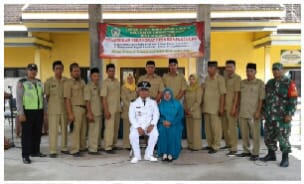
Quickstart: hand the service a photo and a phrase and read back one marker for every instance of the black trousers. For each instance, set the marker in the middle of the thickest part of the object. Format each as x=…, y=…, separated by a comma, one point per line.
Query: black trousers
x=31, y=132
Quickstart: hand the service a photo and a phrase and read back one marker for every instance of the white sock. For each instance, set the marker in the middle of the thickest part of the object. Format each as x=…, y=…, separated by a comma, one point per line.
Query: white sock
x=164, y=156
x=170, y=157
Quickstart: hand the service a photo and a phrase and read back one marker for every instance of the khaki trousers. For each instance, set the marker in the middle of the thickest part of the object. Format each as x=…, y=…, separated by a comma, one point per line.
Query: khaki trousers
x=56, y=121
x=126, y=133
x=213, y=129
x=250, y=126
x=111, y=131
x=229, y=125
x=194, y=134
x=94, y=134
x=78, y=138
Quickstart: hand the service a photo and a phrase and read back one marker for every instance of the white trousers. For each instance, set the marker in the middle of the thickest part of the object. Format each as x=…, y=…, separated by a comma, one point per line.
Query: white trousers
x=134, y=140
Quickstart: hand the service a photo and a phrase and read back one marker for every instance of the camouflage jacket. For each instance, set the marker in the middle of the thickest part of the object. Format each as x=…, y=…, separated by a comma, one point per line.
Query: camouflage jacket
x=277, y=104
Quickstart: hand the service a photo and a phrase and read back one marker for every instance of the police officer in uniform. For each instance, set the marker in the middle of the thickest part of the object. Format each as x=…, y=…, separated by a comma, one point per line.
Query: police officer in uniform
x=214, y=91
x=56, y=111
x=30, y=111
x=143, y=115
x=229, y=121
x=94, y=111
x=175, y=80
x=75, y=106
x=279, y=107
x=110, y=95
x=252, y=96
x=157, y=85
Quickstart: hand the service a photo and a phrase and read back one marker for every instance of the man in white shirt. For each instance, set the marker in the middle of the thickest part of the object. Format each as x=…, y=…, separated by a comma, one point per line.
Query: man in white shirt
x=143, y=115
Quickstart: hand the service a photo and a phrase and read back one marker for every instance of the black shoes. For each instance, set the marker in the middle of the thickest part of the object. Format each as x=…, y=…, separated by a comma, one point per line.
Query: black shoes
x=206, y=148
x=26, y=160
x=65, y=152
x=211, y=151
x=84, y=150
x=243, y=155
x=225, y=147
x=76, y=154
x=269, y=157
x=53, y=155
x=231, y=153
x=93, y=153
x=285, y=160
x=38, y=155
x=110, y=151
x=254, y=157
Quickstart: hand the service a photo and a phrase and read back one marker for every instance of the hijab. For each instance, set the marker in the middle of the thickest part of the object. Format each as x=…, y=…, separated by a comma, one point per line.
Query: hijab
x=195, y=86
x=129, y=86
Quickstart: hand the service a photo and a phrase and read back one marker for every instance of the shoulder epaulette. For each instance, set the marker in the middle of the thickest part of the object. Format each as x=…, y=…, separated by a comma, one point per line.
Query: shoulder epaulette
x=22, y=80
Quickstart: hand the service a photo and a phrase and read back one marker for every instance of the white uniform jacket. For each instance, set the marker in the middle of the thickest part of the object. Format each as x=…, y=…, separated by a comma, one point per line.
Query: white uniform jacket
x=141, y=115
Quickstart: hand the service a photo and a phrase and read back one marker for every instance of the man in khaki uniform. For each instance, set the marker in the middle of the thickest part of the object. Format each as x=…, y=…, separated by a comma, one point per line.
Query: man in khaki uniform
x=94, y=111
x=157, y=85
x=252, y=96
x=53, y=89
x=175, y=80
x=75, y=105
x=229, y=121
x=214, y=91
x=110, y=93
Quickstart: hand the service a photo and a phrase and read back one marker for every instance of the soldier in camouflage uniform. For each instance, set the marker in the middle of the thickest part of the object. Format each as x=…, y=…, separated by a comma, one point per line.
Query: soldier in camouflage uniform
x=279, y=107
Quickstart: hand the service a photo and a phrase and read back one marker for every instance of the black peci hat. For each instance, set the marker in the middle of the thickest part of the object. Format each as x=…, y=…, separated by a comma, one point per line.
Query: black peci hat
x=212, y=63
x=251, y=66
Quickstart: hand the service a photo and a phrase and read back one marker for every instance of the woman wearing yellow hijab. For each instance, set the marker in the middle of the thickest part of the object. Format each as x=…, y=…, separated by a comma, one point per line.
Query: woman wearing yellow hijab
x=128, y=93
x=193, y=99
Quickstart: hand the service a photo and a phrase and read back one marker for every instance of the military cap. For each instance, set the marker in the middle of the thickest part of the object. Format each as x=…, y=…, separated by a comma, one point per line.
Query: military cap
x=251, y=66
x=144, y=85
x=277, y=66
x=32, y=66
x=173, y=60
x=212, y=63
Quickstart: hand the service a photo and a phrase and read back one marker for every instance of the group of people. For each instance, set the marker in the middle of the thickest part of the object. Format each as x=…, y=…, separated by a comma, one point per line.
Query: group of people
x=157, y=107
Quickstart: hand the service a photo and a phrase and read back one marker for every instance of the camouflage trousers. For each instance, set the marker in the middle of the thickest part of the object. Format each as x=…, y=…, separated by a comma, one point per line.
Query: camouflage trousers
x=273, y=133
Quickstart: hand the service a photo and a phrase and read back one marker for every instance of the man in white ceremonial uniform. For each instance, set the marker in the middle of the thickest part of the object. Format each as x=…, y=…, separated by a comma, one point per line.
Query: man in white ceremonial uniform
x=143, y=115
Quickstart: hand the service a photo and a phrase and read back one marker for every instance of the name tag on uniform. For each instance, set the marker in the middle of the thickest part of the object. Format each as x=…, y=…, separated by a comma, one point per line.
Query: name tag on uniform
x=53, y=86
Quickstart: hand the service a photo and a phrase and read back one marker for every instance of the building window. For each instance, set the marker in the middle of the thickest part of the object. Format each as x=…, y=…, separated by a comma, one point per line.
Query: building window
x=14, y=72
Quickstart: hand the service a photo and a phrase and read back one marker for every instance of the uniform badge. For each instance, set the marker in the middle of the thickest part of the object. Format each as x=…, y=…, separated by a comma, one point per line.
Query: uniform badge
x=30, y=86
x=138, y=113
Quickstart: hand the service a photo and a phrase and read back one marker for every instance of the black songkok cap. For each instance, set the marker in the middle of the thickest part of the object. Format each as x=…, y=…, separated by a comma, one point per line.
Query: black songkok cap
x=251, y=66
x=212, y=63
